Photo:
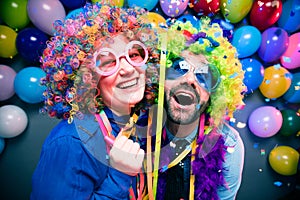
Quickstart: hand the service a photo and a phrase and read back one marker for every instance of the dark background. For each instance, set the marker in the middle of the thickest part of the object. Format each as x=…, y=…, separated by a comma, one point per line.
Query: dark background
x=21, y=153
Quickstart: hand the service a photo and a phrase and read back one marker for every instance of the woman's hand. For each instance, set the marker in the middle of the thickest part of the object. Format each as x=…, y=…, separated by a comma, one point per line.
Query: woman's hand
x=126, y=156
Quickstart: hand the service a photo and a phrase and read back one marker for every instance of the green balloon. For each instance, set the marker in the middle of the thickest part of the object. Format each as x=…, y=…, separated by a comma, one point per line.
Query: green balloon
x=290, y=124
x=14, y=13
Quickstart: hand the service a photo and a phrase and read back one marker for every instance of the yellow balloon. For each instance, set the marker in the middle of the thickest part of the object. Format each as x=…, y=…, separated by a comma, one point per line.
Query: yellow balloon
x=8, y=37
x=156, y=20
x=284, y=160
x=235, y=10
x=277, y=81
x=118, y=3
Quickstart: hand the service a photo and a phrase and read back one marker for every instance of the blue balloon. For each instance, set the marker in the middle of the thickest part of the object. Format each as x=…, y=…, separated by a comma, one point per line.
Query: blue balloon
x=27, y=84
x=30, y=43
x=74, y=13
x=274, y=43
x=254, y=73
x=2, y=144
x=292, y=95
x=289, y=19
x=191, y=18
x=73, y=4
x=148, y=4
x=246, y=40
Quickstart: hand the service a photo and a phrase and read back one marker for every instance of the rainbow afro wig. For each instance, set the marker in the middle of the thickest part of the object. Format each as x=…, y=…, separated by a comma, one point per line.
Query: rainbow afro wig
x=71, y=84
x=208, y=40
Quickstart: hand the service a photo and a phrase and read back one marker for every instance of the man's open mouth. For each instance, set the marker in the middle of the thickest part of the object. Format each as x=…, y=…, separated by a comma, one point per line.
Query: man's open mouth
x=128, y=84
x=184, y=99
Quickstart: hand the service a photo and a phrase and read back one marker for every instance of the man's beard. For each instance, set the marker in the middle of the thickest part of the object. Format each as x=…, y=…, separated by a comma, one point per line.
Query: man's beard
x=182, y=116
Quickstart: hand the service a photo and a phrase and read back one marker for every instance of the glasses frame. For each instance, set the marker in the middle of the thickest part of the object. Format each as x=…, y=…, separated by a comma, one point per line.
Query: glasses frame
x=193, y=69
x=126, y=54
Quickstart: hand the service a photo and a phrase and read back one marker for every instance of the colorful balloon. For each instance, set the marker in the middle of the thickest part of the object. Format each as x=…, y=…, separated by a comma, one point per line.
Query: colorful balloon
x=173, y=8
x=293, y=93
x=8, y=40
x=149, y=4
x=156, y=20
x=13, y=121
x=289, y=18
x=14, y=13
x=246, y=40
x=254, y=73
x=7, y=77
x=191, y=18
x=205, y=7
x=235, y=10
x=43, y=13
x=73, y=4
x=30, y=43
x=74, y=13
x=274, y=43
x=291, y=122
x=284, y=160
x=291, y=57
x=27, y=84
x=277, y=81
x=265, y=121
x=2, y=144
x=265, y=13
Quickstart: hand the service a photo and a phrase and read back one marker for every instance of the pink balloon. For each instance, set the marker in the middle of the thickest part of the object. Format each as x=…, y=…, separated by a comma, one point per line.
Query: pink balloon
x=291, y=57
x=7, y=77
x=43, y=13
x=173, y=8
x=265, y=121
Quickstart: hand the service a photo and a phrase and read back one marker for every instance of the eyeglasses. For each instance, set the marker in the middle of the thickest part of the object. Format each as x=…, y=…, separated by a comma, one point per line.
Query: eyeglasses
x=107, y=62
x=208, y=76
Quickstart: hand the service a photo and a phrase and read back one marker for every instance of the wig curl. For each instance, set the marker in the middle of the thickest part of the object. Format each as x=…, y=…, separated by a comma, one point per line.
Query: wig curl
x=70, y=80
x=208, y=40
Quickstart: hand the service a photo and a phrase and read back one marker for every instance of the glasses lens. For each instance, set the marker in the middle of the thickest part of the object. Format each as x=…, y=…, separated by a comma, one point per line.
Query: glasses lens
x=106, y=60
x=136, y=54
x=177, y=69
x=208, y=77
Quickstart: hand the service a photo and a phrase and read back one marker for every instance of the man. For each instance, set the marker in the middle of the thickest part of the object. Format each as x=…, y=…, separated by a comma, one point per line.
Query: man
x=201, y=155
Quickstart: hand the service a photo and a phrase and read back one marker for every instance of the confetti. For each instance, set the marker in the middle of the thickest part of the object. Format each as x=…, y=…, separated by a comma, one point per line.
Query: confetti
x=278, y=183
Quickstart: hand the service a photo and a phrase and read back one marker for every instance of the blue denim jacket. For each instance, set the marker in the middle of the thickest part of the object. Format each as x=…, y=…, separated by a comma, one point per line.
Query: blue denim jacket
x=73, y=165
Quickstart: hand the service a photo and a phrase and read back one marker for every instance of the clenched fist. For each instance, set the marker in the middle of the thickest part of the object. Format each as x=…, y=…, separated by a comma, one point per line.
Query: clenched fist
x=126, y=155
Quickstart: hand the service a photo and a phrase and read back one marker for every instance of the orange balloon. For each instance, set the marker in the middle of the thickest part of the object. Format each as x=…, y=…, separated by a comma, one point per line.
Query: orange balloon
x=277, y=81
x=284, y=160
x=156, y=20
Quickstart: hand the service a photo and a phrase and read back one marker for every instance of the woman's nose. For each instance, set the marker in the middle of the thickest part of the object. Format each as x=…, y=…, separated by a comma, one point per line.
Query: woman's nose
x=125, y=67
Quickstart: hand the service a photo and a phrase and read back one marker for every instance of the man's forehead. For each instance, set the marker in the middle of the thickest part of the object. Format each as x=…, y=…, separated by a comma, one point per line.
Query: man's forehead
x=199, y=62
x=198, y=67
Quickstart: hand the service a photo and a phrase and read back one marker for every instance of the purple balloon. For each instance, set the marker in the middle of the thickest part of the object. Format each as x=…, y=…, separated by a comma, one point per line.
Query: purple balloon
x=265, y=121
x=173, y=8
x=43, y=13
x=7, y=77
x=274, y=43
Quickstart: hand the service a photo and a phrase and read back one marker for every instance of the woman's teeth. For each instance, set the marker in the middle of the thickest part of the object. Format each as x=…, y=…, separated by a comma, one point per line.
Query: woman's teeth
x=128, y=84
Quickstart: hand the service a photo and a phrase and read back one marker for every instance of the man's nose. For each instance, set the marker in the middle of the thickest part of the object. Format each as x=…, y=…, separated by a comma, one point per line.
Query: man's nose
x=190, y=78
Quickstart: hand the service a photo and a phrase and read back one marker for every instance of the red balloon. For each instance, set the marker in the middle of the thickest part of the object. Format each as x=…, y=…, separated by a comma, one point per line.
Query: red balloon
x=265, y=13
x=205, y=6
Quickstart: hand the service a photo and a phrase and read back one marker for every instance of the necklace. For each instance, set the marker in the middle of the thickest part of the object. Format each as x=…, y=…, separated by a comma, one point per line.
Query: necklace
x=109, y=138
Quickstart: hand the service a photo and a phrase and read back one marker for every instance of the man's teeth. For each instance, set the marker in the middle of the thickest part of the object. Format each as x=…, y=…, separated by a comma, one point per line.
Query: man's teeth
x=128, y=84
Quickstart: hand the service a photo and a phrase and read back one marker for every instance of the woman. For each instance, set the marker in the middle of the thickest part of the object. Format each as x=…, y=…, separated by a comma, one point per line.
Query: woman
x=96, y=74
